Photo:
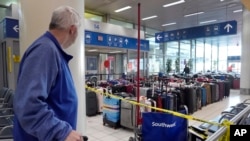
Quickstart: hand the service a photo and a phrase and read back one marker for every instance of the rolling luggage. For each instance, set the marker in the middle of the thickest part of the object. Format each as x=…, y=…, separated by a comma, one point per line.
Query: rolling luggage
x=130, y=89
x=118, y=88
x=143, y=91
x=180, y=96
x=91, y=103
x=208, y=92
x=170, y=101
x=213, y=92
x=203, y=97
x=199, y=96
x=111, y=111
x=191, y=99
x=149, y=102
x=236, y=83
x=128, y=113
x=221, y=89
x=227, y=88
x=156, y=97
x=99, y=94
x=217, y=95
x=153, y=104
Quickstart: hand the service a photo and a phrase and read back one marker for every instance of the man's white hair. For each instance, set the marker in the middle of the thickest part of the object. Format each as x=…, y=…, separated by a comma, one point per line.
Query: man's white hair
x=63, y=17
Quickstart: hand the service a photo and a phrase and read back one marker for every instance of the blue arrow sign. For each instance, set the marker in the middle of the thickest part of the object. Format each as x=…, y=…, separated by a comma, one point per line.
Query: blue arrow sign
x=11, y=28
x=219, y=29
x=108, y=40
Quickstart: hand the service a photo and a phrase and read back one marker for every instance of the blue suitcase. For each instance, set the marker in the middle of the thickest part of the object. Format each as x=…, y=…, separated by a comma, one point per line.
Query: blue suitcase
x=111, y=111
x=203, y=97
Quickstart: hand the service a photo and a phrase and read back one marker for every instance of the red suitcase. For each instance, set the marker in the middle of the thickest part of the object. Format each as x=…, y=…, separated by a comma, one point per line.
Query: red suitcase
x=236, y=83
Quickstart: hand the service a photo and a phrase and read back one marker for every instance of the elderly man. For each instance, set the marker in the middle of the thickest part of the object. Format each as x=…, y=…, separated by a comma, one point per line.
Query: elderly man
x=45, y=102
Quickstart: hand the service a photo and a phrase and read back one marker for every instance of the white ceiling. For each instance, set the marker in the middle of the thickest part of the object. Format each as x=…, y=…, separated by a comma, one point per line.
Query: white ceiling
x=213, y=10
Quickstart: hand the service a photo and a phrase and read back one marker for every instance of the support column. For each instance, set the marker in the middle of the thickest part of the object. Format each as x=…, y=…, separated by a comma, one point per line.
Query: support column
x=245, y=66
x=34, y=20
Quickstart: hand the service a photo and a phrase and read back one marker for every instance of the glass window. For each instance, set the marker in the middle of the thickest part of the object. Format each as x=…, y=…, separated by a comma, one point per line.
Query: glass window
x=193, y=56
x=234, y=51
x=207, y=57
x=155, y=64
x=155, y=56
x=121, y=23
x=151, y=32
x=132, y=63
x=214, y=58
x=184, y=53
x=93, y=17
x=172, y=53
x=222, y=59
x=236, y=64
x=199, y=56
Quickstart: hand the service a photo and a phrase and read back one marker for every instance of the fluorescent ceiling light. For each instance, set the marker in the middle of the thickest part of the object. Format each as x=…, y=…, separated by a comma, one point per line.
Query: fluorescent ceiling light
x=174, y=3
x=168, y=24
x=210, y=21
x=122, y=9
x=92, y=50
x=147, y=18
x=236, y=11
x=115, y=51
x=193, y=14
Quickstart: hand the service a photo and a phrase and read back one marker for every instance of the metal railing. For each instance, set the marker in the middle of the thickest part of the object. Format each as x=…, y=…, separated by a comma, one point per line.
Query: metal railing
x=215, y=136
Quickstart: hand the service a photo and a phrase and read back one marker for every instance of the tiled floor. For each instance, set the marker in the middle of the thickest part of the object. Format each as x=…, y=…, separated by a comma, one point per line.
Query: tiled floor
x=97, y=132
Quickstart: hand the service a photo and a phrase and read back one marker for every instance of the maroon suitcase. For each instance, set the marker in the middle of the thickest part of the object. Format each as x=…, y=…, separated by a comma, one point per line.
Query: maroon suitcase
x=236, y=83
x=221, y=89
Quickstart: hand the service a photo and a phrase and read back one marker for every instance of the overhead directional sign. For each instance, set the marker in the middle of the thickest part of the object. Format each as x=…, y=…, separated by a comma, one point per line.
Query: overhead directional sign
x=10, y=28
x=219, y=29
x=108, y=40
x=233, y=58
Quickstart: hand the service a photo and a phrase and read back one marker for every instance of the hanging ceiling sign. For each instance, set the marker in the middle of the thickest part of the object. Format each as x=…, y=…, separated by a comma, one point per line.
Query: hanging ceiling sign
x=219, y=29
x=109, y=40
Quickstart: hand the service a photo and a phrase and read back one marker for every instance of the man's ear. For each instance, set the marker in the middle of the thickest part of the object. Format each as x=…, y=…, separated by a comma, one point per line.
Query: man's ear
x=71, y=30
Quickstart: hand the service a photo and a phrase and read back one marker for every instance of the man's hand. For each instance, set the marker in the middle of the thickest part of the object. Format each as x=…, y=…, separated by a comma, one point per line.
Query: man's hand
x=74, y=136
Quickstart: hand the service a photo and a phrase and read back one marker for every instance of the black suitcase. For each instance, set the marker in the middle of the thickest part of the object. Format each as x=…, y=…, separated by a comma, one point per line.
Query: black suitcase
x=227, y=88
x=180, y=95
x=213, y=92
x=191, y=99
x=91, y=103
x=118, y=88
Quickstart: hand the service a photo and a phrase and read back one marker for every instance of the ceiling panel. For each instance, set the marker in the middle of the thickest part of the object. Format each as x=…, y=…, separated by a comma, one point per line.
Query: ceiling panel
x=213, y=10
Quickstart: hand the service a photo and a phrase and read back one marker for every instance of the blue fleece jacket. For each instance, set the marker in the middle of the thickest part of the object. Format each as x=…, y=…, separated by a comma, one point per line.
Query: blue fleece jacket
x=45, y=100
